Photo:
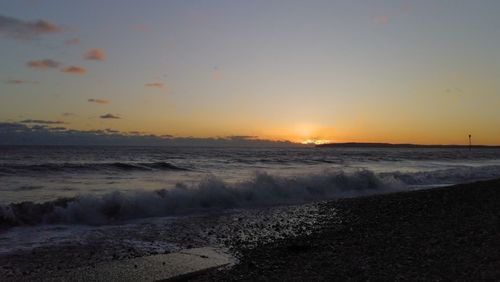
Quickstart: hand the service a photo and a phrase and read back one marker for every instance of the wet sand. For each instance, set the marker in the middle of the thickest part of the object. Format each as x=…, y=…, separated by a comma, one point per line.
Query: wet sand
x=440, y=234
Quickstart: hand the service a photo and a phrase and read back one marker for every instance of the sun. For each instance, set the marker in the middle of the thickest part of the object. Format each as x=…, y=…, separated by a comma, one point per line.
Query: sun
x=316, y=141
x=312, y=134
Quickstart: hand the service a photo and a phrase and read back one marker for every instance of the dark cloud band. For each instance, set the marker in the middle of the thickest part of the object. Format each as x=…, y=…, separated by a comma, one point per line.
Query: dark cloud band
x=19, y=29
x=110, y=116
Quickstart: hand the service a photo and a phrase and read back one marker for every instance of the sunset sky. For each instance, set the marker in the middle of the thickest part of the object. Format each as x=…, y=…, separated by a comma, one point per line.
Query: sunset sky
x=369, y=71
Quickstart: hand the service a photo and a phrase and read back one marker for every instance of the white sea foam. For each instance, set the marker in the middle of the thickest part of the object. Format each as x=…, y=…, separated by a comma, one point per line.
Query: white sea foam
x=213, y=193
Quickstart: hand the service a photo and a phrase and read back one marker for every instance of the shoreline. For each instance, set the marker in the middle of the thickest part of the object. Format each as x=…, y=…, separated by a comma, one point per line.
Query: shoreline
x=441, y=233
x=98, y=247
x=445, y=233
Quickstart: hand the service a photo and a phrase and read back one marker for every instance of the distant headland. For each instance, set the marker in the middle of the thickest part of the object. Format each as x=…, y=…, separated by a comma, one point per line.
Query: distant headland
x=390, y=145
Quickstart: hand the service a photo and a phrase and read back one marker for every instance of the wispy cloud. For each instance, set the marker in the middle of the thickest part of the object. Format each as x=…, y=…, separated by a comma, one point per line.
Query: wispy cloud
x=455, y=93
x=72, y=41
x=109, y=130
x=140, y=27
x=242, y=137
x=20, y=81
x=74, y=70
x=67, y=114
x=95, y=54
x=381, y=19
x=159, y=85
x=15, y=81
x=110, y=116
x=98, y=101
x=43, y=64
x=20, y=29
x=40, y=121
x=216, y=73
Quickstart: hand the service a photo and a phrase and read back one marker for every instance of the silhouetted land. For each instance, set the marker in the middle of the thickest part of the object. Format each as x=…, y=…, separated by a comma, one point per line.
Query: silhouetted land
x=441, y=234
x=389, y=145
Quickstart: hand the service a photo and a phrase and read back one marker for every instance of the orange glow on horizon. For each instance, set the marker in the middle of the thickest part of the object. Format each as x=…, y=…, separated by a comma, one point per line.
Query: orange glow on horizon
x=316, y=141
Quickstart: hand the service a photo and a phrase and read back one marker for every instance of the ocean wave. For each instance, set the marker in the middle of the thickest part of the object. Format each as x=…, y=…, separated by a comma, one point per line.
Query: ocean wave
x=444, y=176
x=87, y=167
x=209, y=194
x=213, y=193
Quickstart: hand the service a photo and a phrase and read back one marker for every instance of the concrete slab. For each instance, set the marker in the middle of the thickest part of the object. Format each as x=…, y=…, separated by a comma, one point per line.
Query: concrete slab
x=150, y=268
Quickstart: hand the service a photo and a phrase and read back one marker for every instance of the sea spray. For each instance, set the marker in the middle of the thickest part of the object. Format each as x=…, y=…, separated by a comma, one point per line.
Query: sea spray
x=210, y=194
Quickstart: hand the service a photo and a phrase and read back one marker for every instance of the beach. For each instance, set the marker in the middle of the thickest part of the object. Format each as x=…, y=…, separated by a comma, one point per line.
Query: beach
x=249, y=141
x=447, y=233
x=440, y=234
x=103, y=210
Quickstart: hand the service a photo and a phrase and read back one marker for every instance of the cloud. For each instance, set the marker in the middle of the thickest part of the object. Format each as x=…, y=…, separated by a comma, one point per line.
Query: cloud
x=382, y=20
x=57, y=128
x=454, y=93
x=73, y=41
x=159, y=85
x=95, y=54
x=69, y=114
x=15, y=81
x=242, y=137
x=98, y=101
x=109, y=130
x=216, y=74
x=110, y=116
x=26, y=134
x=140, y=27
x=8, y=126
x=43, y=64
x=20, y=81
x=52, y=64
x=74, y=70
x=19, y=29
x=39, y=121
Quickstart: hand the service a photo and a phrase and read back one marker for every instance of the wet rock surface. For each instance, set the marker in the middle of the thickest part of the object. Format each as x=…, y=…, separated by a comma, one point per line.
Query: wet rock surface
x=441, y=234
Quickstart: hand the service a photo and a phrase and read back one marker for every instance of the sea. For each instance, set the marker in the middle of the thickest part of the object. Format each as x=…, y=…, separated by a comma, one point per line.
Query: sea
x=51, y=195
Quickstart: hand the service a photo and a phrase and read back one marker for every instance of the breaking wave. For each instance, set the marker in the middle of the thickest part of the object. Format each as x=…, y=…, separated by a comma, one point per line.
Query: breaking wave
x=82, y=167
x=445, y=176
x=209, y=194
x=214, y=194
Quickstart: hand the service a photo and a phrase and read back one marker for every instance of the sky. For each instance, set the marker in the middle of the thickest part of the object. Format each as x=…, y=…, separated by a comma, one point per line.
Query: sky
x=305, y=71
